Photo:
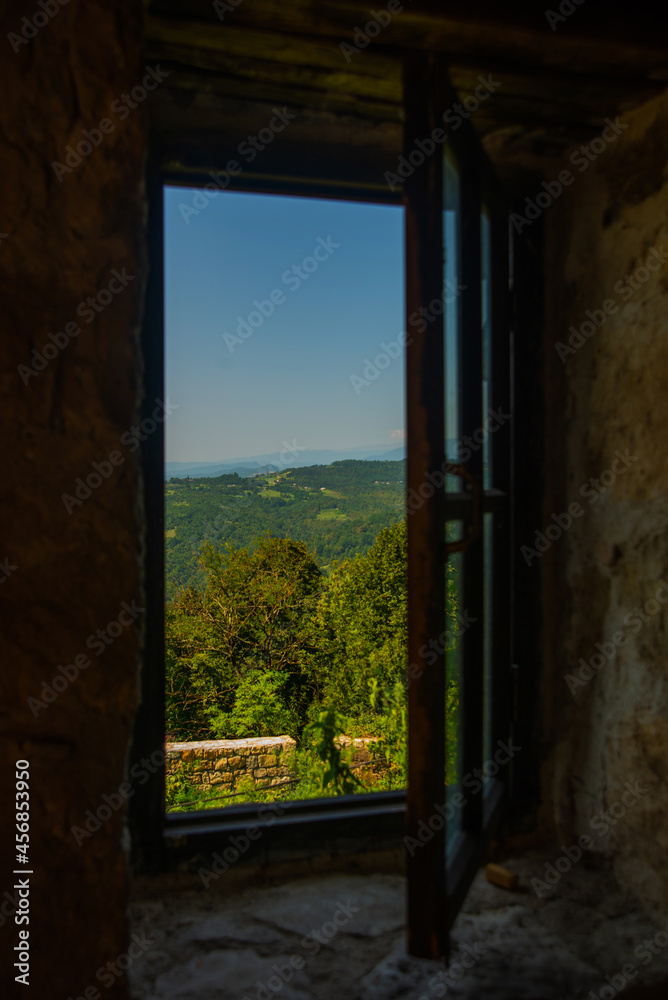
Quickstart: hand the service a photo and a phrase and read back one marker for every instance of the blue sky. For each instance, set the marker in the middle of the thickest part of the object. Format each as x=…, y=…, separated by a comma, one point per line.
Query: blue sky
x=289, y=380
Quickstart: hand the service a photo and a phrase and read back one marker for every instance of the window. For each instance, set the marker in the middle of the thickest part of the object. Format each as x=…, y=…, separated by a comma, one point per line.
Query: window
x=457, y=253
x=283, y=351
x=458, y=374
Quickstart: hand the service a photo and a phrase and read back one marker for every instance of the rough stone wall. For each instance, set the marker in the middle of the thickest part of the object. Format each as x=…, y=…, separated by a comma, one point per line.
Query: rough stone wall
x=362, y=762
x=606, y=620
x=221, y=763
x=70, y=572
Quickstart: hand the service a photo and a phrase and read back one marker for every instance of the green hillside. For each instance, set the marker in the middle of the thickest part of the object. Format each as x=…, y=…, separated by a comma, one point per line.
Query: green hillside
x=336, y=510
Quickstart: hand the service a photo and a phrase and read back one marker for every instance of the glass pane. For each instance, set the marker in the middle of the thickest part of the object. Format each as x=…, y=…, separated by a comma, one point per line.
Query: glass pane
x=488, y=540
x=486, y=307
x=451, y=273
x=455, y=626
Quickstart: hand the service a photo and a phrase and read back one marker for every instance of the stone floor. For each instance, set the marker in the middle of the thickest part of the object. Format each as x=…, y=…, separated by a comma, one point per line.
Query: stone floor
x=340, y=937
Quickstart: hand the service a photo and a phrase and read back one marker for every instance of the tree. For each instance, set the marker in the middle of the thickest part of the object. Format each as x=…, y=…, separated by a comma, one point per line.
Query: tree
x=361, y=666
x=269, y=644
x=362, y=625
x=198, y=676
x=252, y=618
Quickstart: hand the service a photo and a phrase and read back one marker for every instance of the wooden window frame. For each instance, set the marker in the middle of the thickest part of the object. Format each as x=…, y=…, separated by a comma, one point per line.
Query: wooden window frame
x=438, y=881
x=377, y=821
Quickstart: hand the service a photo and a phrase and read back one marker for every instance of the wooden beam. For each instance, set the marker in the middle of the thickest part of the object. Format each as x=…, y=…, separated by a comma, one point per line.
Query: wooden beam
x=233, y=119
x=234, y=60
x=273, y=46
x=619, y=46
x=189, y=84
x=225, y=76
x=264, y=70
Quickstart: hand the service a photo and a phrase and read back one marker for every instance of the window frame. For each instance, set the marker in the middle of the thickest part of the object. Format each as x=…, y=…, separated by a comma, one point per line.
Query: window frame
x=437, y=879
x=373, y=821
x=360, y=822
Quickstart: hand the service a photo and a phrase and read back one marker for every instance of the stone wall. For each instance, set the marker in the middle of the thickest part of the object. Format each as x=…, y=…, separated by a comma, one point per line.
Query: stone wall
x=606, y=626
x=362, y=762
x=71, y=571
x=221, y=763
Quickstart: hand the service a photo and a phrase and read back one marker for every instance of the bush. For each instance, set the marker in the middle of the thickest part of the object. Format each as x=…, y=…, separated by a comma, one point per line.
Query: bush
x=337, y=776
x=259, y=709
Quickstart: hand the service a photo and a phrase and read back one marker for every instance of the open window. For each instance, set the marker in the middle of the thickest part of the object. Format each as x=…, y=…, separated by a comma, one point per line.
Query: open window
x=460, y=522
x=459, y=488
x=285, y=494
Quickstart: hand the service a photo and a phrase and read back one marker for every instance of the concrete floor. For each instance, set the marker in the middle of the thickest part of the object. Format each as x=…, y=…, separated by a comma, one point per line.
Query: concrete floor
x=340, y=937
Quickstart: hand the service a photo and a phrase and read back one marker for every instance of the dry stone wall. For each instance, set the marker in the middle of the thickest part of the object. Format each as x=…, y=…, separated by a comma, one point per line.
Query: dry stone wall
x=267, y=760
x=222, y=763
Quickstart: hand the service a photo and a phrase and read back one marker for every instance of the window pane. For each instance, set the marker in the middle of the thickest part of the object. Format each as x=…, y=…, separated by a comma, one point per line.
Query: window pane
x=456, y=624
x=486, y=302
x=488, y=540
x=451, y=237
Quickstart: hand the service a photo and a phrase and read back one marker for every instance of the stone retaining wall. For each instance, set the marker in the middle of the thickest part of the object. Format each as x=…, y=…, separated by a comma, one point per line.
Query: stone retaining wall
x=222, y=763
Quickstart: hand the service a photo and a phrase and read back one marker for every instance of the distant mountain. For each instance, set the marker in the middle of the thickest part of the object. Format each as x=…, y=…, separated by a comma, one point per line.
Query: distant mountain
x=210, y=469
x=395, y=455
x=287, y=459
x=180, y=466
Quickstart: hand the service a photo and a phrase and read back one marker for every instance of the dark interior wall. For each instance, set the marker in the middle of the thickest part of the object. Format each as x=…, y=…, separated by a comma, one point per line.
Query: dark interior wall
x=68, y=572
x=607, y=391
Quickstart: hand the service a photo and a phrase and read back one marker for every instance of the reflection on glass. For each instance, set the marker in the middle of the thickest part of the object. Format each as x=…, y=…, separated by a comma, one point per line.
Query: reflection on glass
x=488, y=538
x=486, y=316
x=451, y=275
x=455, y=624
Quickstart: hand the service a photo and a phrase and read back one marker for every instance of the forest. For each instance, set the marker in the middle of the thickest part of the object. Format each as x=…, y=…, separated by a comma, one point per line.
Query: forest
x=263, y=640
x=336, y=510
x=271, y=646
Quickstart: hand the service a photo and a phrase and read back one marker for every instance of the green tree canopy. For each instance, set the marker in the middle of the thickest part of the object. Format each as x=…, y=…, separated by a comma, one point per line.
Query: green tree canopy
x=362, y=622
x=252, y=618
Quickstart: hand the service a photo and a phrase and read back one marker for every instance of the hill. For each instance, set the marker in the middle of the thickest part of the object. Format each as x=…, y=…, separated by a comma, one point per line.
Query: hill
x=278, y=461
x=337, y=510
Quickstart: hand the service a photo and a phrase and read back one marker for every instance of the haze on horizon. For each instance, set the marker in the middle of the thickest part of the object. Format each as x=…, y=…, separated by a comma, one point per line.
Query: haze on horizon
x=248, y=388
x=286, y=453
